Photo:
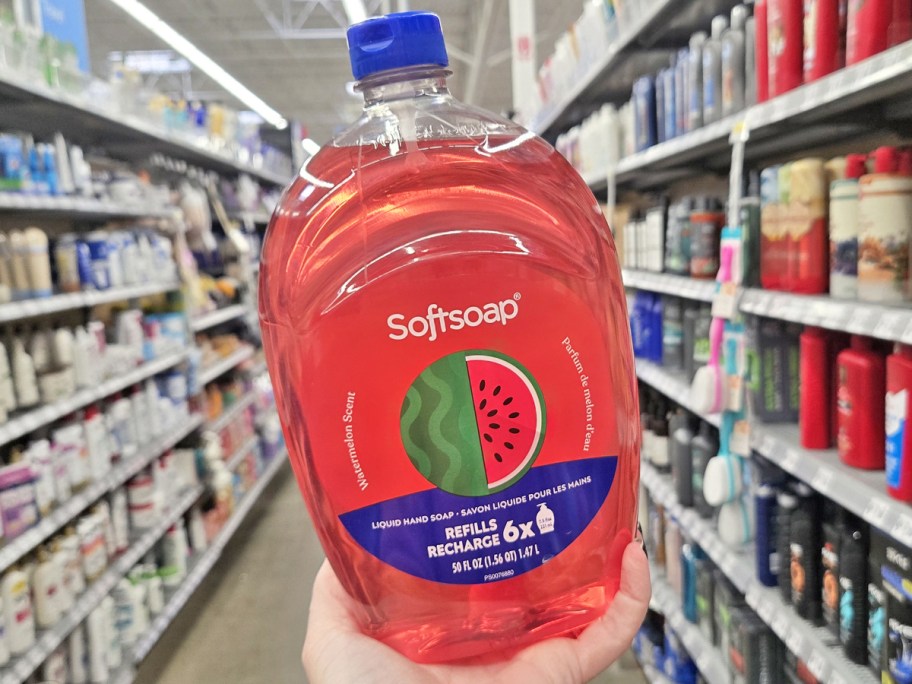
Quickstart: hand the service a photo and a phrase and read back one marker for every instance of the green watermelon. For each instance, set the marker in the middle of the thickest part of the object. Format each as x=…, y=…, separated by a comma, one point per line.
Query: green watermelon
x=472, y=423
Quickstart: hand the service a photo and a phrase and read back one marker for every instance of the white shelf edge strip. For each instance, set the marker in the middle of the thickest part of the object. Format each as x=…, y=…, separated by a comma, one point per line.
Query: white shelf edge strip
x=217, y=317
x=28, y=308
x=77, y=503
x=205, y=562
x=231, y=414
x=813, y=645
x=48, y=640
x=545, y=118
x=860, y=492
x=76, y=206
x=32, y=420
x=706, y=656
x=667, y=283
x=221, y=367
x=241, y=453
x=672, y=386
x=141, y=127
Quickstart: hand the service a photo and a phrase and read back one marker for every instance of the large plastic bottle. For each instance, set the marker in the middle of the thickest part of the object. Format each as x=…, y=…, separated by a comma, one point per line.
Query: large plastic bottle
x=446, y=330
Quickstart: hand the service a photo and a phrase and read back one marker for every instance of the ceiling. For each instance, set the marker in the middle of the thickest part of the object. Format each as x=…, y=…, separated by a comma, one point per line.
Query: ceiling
x=298, y=62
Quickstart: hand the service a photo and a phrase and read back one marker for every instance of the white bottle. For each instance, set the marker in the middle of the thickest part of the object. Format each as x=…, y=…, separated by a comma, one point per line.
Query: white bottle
x=92, y=547
x=695, y=81
x=24, y=376
x=46, y=584
x=4, y=647
x=18, y=252
x=74, y=571
x=114, y=655
x=82, y=172
x=152, y=406
x=55, y=667
x=83, y=362
x=155, y=598
x=197, y=530
x=40, y=460
x=712, y=72
x=123, y=611
x=174, y=552
x=733, y=62
x=17, y=604
x=7, y=389
x=63, y=347
x=59, y=555
x=40, y=351
x=98, y=646
x=38, y=262
x=6, y=274
x=96, y=435
x=120, y=520
x=78, y=662
x=103, y=511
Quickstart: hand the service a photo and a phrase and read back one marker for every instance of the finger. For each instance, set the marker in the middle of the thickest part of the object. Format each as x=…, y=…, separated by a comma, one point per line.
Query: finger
x=604, y=641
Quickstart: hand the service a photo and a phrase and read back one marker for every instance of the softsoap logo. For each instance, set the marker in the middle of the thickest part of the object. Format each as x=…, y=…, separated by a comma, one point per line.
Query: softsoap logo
x=439, y=321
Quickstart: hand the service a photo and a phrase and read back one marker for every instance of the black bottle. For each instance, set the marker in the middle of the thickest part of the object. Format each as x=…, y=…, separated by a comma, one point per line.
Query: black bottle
x=853, y=591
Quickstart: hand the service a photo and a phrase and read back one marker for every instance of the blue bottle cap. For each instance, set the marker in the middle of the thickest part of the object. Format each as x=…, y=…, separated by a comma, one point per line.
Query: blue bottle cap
x=397, y=40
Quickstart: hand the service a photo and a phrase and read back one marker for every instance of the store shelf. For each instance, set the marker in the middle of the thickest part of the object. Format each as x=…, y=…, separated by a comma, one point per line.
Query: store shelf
x=666, y=283
x=22, y=666
x=234, y=460
x=861, y=492
x=816, y=646
x=36, y=418
x=259, y=218
x=80, y=501
x=202, y=565
x=672, y=385
x=613, y=75
x=892, y=323
x=217, y=317
x=230, y=414
x=708, y=659
x=32, y=106
x=221, y=367
x=29, y=308
x=76, y=208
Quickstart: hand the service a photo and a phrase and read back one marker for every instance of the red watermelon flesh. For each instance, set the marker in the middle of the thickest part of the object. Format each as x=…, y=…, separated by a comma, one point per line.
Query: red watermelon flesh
x=510, y=417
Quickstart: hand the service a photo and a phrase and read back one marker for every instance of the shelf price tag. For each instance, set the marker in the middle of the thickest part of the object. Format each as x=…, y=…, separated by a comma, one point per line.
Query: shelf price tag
x=794, y=641
x=821, y=480
x=725, y=303
x=890, y=325
x=861, y=321
x=902, y=529
x=817, y=665
x=739, y=443
x=875, y=512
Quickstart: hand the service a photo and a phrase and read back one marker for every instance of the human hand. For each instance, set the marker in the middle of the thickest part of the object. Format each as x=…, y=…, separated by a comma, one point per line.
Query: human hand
x=336, y=652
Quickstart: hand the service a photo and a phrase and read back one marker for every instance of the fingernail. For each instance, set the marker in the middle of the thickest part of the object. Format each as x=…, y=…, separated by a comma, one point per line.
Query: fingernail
x=639, y=537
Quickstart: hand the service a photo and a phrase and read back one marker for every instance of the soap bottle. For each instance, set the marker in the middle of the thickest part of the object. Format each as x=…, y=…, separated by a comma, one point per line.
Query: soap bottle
x=844, y=229
x=399, y=180
x=734, y=62
x=98, y=645
x=704, y=446
x=18, y=265
x=712, y=71
x=681, y=90
x=785, y=33
x=804, y=554
x=786, y=504
x=7, y=389
x=773, y=255
x=884, y=223
x=673, y=333
x=695, y=81
x=59, y=555
x=821, y=39
x=682, y=436
x=816, y=390
x=38, y=262
x=24, y=376
x=46, y=580
x=861, y=395
x=808, y=243
x=76, y=646
x=761, y=50
x=96, y=434
x=853, y=591
x=868, y=29
x=17, y=605
x=833, y=532
x=898, y=440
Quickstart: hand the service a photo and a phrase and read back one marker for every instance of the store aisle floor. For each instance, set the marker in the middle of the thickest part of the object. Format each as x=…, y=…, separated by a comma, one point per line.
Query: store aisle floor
x=246, y=623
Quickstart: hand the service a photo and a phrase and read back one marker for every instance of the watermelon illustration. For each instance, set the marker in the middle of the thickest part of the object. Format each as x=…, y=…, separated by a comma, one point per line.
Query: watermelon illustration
x=473, y=422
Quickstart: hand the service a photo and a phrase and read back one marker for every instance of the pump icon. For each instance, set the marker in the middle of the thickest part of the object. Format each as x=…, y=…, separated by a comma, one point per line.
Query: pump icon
x=544, y=519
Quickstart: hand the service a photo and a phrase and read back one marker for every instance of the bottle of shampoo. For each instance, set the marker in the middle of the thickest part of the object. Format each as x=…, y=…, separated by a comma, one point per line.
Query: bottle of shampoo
x=682, y=436
x=853, y=591
x=705, y=446
x=761, y=50
x=734, y=66
x=833, y=532
x=766, y=518
x=861, y=395
x=17, y=605
x=814, y=407
x=822, y=40
x=808, y=243
x=695, y=81
x=898, y=441
x=786, y=504
x=712, y=71
x=844, y=229
x=785, y=33
x=868, y=28
x=46, y=580
x=24, y=376
x=804, y=554
x=773, y=255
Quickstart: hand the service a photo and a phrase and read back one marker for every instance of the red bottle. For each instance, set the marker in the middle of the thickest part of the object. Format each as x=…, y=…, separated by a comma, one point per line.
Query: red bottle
x=822, y=40
x=861, y=394
x=808, y=241
x=898, y=436
x=816, y=390
x=785, y=38
x=901, y=23
x=761, y=45
x=867, y=28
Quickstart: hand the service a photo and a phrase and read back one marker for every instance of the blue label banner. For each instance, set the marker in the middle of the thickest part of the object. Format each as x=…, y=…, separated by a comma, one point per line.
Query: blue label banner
x=65, y=20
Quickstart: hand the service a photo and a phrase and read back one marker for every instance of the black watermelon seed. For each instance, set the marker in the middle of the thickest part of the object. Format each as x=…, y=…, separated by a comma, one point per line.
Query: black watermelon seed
x=481, y=385
x=484, y=402
x=514, y=431
x=488, y=437
x=499, y=458
x=497, y=390
x=494, y=426
x=508, y=400
x=492, y=413
x=515, y=414
x=508, y=445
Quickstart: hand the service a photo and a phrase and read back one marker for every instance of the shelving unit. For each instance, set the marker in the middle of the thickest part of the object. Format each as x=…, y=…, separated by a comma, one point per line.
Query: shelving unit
x=79, y=502
x=666, y=283
x=259, y=218
x=31, y=308
x=231, y=413
x=672, y=385
x=203, y=564
x=707, y=658
x=241, y=453
x=816, y=646
x=222, y=366
x=78, y=208
x=22, y=666
x=217, y=317
x=32, y=106
x=48, y=413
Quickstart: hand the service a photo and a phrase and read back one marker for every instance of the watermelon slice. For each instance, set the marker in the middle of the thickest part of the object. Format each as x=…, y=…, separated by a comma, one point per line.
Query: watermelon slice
x=473, y=422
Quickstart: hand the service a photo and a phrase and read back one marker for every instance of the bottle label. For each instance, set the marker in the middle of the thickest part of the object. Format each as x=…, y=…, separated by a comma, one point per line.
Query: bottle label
x=485, y=440
x=896, y=405
x=844, y=229
x=884, y=212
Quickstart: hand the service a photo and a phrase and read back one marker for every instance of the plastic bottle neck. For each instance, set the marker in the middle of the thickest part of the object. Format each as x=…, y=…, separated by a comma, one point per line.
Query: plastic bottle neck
x=401, y=84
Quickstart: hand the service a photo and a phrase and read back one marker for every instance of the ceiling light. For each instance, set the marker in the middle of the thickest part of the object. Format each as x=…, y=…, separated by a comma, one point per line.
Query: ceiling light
x=151, y=21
